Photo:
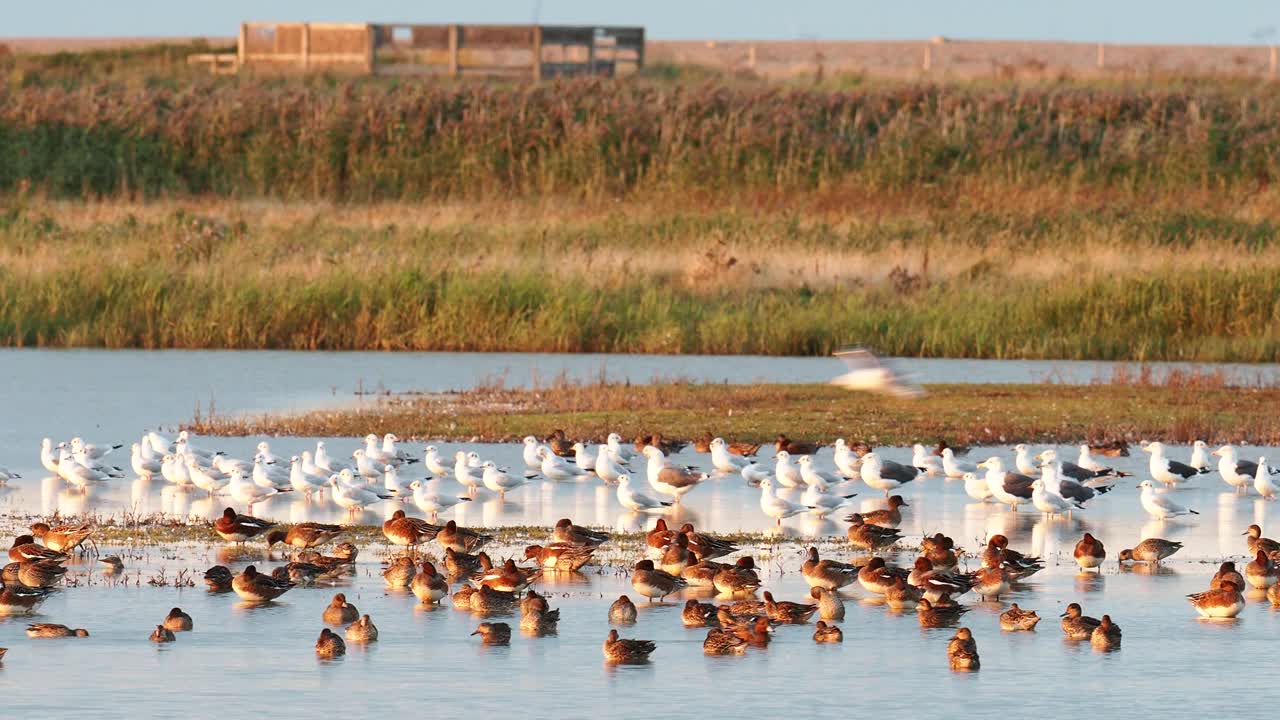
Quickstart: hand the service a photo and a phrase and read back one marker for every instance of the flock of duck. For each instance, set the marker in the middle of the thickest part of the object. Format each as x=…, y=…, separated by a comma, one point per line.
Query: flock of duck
x=676, y=560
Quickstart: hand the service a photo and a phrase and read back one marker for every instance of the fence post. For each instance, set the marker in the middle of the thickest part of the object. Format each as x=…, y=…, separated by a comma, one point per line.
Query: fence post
x=928, y=57
x=241, y=44
x=453, y=51
x=1272, y=63
x=537, y=52
x=306, y=46
x=370, y=41
x=1102, y=56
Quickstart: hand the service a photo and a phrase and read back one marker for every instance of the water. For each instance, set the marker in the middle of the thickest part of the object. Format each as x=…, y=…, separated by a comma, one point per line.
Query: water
x=242, y=658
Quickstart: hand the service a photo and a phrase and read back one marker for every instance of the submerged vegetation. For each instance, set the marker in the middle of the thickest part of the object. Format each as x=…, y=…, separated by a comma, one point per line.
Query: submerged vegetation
x=1201, y=408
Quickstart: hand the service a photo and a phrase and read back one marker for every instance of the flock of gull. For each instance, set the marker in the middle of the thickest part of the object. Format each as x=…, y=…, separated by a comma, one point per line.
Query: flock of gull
x=675, y=560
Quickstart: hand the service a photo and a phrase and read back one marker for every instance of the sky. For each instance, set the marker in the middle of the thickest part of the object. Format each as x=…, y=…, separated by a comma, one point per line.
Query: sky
x=1119, y=21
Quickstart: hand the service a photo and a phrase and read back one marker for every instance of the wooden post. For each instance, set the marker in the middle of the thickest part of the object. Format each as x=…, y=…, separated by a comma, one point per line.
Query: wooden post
x=370, y=40
x=537, y=52
x=242, y=44
x=1102, y=56
x=1272, y=63
x=751, y=57
x=591, y=56
x=928, y=57
x=306, y=46
x=453, y=51
x=640, y=52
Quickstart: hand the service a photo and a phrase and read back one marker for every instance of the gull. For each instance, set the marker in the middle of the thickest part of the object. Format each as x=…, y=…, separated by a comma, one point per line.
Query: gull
x=500, y=481
x=725, y=461
x=1022, y=461
x=1008, y=488
x=264, y=449
x=756, y=473
x=637, y=501
x=1048, y=502
x=553, y=467
x=1238, y=473
x=302, y=481
x=821, y=501
x=91, y=451
x=6, y=475
x=927, y=463
x=149, y=451
x=1262, y=481
x=776, y=507
x=1159, y=506
x=885, y=475
x=389, y=448
x=668, y=479
x=467, y=476
x=621, y=453
x=435, y=464
x=786, y=473
x=866, y=373
x=78, y=474
x=353, y=498
x=532, y=459
x=1199, y=457
x=278, y=471
x=262, y=477
x=143, y=467
x=429, y=499
x=160, y=443
x=326, y=463
x=1075, y=471
x=48, y=458
x=184, y=447
x=243, y=490
x=184, y=471
x=227, y=465
x=1087, y=462
x=311, y=468
x=1069, y=489
x=608, y=469
x=812, y=476
x=846, y=460
x=585, y=460
x=473, y=460
x=976, y=486
x=392, y=483
x=953, y=467
x=1170, y=472
x=374, y=453
x=366, y=466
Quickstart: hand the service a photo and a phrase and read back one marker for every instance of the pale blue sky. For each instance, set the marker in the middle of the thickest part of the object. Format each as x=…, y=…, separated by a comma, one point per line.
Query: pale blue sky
x=1145, y=21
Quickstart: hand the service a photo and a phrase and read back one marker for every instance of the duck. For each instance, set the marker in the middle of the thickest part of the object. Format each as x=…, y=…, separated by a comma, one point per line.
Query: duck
x=362, y=631
x=53, y=630
x=869, y=537
x=901, y=596
x=462, y=598
x=702, y=573
x=933, y=584
x=757, y=632
x=1226, y=573
x=508, y=577
x=653, y=583
x=560, y=556
x=786, y=612
x=253, y=586
x=824, y=633
x=429, y=586
x=622, y=611
x=677, y=557
x=112, y=565
x=305, y=536
x=1089, y=552
x=459, y=564
x=830, y=606
x=237, y=527
x=329, y=645
x=1106, y=636
x=1261, y=572
x=1224, y=602
x=696, y=614
x=1151, y=550
x=342, y=561
x=559, y=443
x=1077, y=626
x=941, y=551
x=990, y=582
x=1257, y=542
x=706, y=441
x=787, y=445
x=340, y=612
x=708, y=547
x=62, y=538
x=1018, y=565
x=891, y=517
x=40, y=573
x=720, y=641
x=19, y=600
x=540, y=622
x=162, y=634
x=487, y=601
x=828, y=574
x=300, y=573
x=25, y=548
x=962, y=651
x=218, y=578
x=740, y=578
x=666, y=445
x=1016, y=619
x=9, y=573
x=931, y=615
x=660, y=536
x=877, y=576
x=178, y=621
x=408, y=531
x=1110, y=448
x=400, y=573
x=619, y=650
x=1273, y=594
x=461, y=539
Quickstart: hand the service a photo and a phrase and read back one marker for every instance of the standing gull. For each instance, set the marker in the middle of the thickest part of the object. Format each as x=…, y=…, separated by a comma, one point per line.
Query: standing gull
x=953, y=467
x=1239, y=474
x=1160, y=506
x=637, y=501
x=670, y=480
x=885, y=475
x=1008, y=488
x=776, y=507
x=1164, y=470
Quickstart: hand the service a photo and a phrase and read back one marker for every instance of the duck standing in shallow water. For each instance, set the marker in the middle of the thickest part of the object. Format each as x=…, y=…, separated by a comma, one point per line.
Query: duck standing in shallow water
x=329, y=645
x=1016, y=619
x=962, y=651
x=497, y=633
x=1106, y=636
x=824, y=633
x=624, y=651
x=362, y=631
x=1225, y=602
x=622, y=611
x=1076, y=625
